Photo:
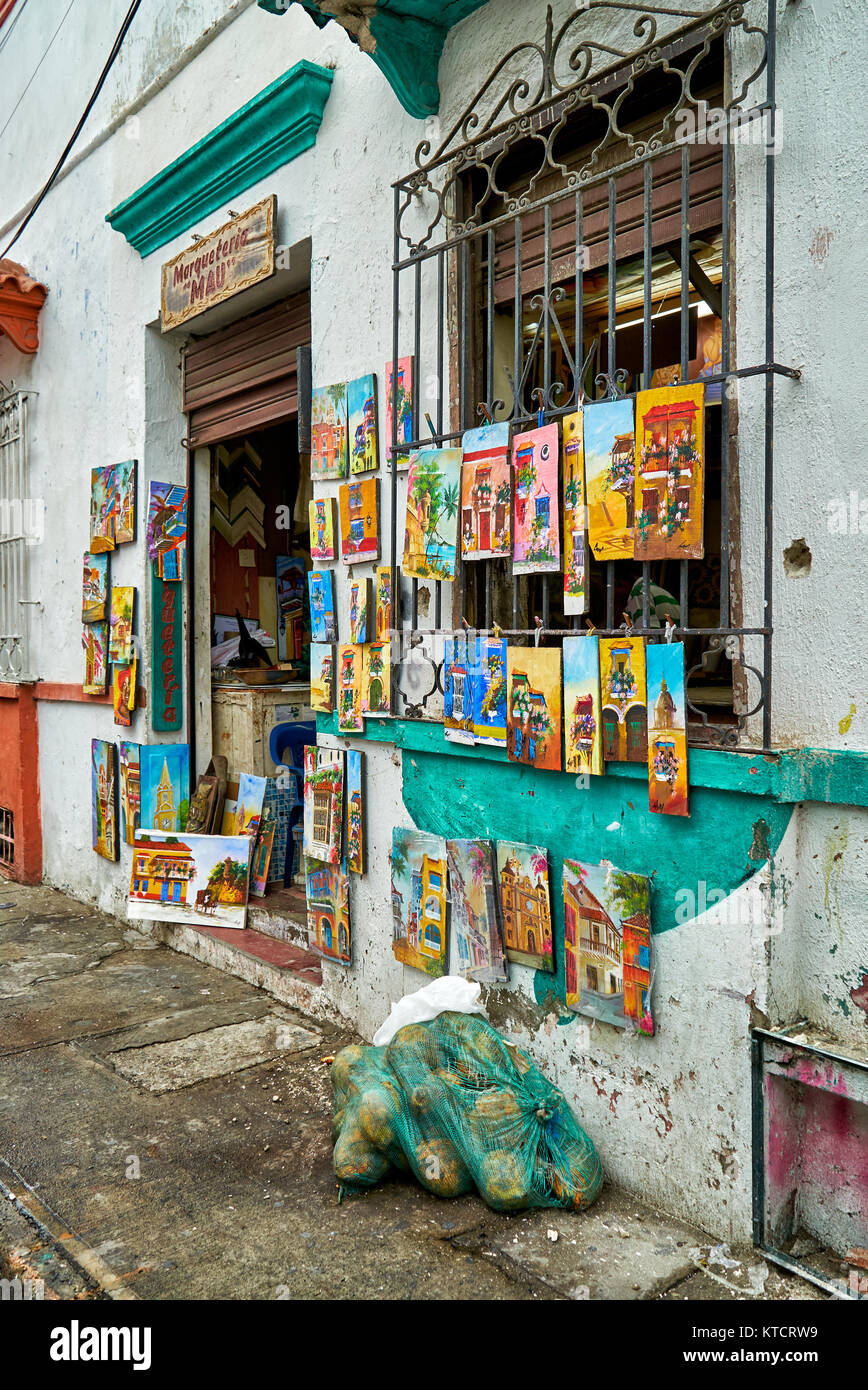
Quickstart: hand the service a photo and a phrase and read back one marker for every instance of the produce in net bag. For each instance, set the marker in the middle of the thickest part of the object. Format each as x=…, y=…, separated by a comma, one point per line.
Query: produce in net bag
x=459, y=1107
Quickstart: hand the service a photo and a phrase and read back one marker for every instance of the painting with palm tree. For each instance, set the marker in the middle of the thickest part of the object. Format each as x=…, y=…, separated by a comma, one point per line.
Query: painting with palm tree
x=431, y=535
x=478, y=938
x=419, y=900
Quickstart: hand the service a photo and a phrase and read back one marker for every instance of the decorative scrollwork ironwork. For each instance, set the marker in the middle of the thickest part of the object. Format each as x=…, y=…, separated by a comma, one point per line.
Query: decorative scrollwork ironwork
x=563, y=73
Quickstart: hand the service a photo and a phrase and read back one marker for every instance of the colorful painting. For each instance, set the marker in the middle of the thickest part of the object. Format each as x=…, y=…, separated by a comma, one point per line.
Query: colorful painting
x=329, y=432
x=121, y=623
x=525, y=909
x=473, y=897
x=362, y=418
x=623, y=699
x=533, y=726
x=383, y=599
x=419, y=936
x=400, y=392
x=669, y=473
x=583, y=730
x=349, y=675
x=486, y=494
x=475, y=690
x=248, y=804
x=94, y=588
x=261, y=857
x=124, y=691
x=327, y=888
x=360, y=524
x=323, y=803
x=355, y=811
x=536, y=546
x=104, y=802
x=167, y=530
x=575, y=517
x=165, y=786
x=322, y=677
x=94, y=640
x=667, y=728
x=323, y=625
x=609, y=478
x=431, y=534
x=607, y=944
x=125, y=526
x=103, y=509
x=200, y=880
x=361, y=610
x=322, y=513
x=289, y=581
x=377, y=678
x=130, y=791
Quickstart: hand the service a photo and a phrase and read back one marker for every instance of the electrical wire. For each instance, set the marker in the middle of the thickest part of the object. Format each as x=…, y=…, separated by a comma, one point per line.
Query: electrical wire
x=38, y=66
x=115, y=50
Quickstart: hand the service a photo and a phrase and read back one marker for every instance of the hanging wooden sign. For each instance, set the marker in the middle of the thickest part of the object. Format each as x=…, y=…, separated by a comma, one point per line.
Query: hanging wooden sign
x=236, y=256
x=166, y=656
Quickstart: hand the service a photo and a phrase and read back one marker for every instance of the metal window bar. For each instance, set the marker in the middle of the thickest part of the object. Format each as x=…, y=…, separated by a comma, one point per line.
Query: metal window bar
x=15, y=508
x=7, y=836
x=574, y=72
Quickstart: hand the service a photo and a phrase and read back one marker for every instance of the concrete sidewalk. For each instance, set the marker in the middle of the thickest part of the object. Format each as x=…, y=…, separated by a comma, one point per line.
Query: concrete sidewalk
x=165, y=1134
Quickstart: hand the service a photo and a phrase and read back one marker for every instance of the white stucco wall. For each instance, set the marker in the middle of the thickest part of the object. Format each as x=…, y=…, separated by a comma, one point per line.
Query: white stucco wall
x=670, y=1116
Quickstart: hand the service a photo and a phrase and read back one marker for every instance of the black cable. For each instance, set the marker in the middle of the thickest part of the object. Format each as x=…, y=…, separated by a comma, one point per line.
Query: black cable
x=115, y=50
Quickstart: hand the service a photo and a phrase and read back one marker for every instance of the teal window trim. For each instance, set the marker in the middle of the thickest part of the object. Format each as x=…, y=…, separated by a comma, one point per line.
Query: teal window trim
x=271, y=129
x=832, y=776
x=405, y=39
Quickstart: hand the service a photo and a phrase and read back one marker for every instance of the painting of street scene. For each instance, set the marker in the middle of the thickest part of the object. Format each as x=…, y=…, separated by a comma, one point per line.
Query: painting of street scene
x=533, y=731
x=419, y=900
x=104, y=802
x=103, y=510
x=431, y=533
x=399, y=397
x=608, y=944
x=360, y=520
x=329, y=431
x=486, y=493
x=323, y=625
x=583, y=738
x=94, y=588
x=536, y=544
x=669, y=473
x=197, y=880
x=167, y=530
x=623, y=696
x=525, y=908
x=322, y=677
x=609, y=470
x=474, y=911
x=321, y=518
x=327, y=889
x=323, y=803
x=475, y=690
x=362, y=421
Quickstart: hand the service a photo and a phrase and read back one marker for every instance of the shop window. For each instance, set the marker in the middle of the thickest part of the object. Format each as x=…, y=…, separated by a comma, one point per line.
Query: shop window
x=588, y=246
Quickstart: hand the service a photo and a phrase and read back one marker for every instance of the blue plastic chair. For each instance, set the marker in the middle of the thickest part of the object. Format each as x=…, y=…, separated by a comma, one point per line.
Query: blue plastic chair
x=291, y=738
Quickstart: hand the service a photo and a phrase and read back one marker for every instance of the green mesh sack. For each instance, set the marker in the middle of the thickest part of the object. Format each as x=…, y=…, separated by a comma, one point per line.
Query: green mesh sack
x=459, y=1107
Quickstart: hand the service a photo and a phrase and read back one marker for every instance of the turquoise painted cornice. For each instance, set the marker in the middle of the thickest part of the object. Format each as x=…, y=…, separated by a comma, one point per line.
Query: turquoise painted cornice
x=278, y=123
x=404, y=37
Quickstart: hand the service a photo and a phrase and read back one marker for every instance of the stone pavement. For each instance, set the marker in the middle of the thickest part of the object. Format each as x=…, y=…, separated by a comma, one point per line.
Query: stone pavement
x=165, y=1133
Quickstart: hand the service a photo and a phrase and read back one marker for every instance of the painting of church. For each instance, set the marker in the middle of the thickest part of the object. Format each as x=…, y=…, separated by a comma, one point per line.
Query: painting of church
x=667, y=732
x=523, y=886
x=164, y=772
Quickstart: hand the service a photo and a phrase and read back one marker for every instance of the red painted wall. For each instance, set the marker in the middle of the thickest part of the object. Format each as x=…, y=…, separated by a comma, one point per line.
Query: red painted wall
x=19, y=779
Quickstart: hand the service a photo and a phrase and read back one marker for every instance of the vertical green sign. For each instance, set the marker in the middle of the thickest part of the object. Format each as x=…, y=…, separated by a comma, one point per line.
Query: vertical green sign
x=167, y=683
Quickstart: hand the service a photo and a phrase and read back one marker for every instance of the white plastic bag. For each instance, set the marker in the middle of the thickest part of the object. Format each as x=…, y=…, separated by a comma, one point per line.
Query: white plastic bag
x=449, y=994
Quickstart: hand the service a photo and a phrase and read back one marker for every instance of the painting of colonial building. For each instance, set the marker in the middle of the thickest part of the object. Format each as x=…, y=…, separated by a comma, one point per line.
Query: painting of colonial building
x=359, y=510
x=196, y=880
x=575, y=521
x=328, y=910
x=607, y=944
x=523, y=886
x=329, y=431
x=486, y=493
x=323, y=803
x=623, y=695
x=609, y=469
x=474, y=910
x=669, y=473
x=583, y=743
x=535, y=522
x=419, y=900
x=534, y=706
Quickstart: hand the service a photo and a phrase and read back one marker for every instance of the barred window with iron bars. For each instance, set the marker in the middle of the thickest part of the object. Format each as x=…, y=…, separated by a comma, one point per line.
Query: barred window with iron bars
x=570, y=240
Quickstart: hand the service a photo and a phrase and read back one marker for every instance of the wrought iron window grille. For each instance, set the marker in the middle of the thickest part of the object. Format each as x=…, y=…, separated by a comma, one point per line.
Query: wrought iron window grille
x=14, y=542
x=632, y=94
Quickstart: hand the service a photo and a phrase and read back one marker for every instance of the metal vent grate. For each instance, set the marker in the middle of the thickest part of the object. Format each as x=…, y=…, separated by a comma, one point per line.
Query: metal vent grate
x=7, y=836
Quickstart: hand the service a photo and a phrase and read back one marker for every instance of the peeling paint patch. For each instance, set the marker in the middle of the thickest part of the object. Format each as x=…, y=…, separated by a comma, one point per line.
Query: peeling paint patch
x=797, y=559
x=844, y=724
x=760, y=845
x=819, y=247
